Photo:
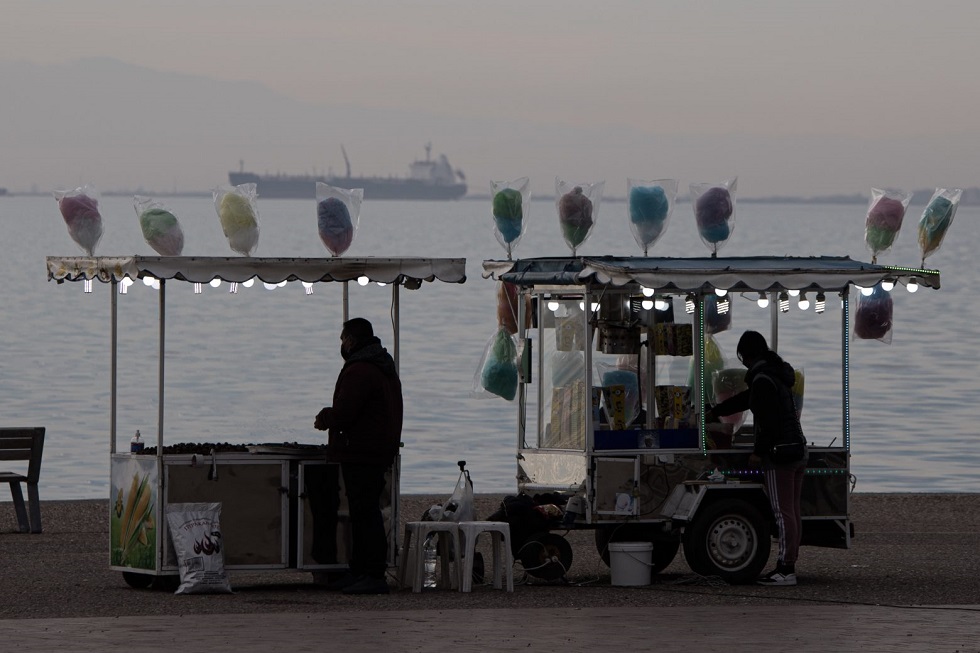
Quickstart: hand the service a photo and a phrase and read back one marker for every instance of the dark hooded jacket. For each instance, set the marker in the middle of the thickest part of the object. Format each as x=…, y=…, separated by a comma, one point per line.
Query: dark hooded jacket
x=770, y=398
x=365, y=420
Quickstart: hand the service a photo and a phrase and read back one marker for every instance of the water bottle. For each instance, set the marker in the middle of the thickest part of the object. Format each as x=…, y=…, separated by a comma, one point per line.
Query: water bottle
x=136, y=445
x=429, y=549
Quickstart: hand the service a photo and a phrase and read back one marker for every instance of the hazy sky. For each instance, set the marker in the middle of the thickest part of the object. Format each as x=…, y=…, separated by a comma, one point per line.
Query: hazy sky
x=879, y=74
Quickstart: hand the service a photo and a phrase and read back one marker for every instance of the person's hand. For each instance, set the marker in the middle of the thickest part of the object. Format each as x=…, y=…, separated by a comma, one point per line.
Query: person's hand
x=320, y=423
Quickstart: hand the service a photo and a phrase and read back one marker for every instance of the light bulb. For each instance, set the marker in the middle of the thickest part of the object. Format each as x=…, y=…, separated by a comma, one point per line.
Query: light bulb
x=363, y=281
x=382, y=284
x=595, y=306
x=233, y=287
x=281, y=284
x=783, y=302
x=216, y=282
x=269, y=286
x=647, y=292
x=309, y=287
x=887, y=285
x=660, y=304
x=248, y=282
x=198, y=288
x=804, y=302
x=821, y=303
x=912, y=285
x=647, y=304
x=723, y=306
x=721, y=292
x=794, y=292
x=867, y=291
x=763, y=301
x=553, y=305
x=148, y=281
x=689, y=305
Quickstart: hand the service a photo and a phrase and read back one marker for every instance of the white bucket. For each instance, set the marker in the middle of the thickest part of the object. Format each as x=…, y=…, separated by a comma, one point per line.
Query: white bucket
x=629, y=563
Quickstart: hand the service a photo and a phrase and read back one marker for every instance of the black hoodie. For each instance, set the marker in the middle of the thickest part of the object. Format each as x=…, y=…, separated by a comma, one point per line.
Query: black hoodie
x=770, y=399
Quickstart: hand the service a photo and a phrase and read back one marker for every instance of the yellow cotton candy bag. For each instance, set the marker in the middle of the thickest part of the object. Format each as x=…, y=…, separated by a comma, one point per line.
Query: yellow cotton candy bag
x=238, y=216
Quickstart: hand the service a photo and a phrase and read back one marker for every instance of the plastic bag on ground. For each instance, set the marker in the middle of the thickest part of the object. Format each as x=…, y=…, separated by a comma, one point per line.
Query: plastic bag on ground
x=80, y=210
x=338, y=212
x=195, y=530
x=510, y=203
x=239, y=216
x=650, y=206
x=161, y=228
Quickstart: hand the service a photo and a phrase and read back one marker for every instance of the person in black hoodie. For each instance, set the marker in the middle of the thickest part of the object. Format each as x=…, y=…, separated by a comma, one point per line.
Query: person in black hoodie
x=365, y=425
x=769, y=379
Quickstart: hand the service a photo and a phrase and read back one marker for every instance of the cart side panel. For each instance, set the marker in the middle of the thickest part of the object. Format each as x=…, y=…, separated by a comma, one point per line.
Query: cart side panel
x=134, y=514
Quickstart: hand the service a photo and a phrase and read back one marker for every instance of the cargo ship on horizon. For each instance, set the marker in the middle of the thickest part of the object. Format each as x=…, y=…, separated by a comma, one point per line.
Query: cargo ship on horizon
x=428, y=179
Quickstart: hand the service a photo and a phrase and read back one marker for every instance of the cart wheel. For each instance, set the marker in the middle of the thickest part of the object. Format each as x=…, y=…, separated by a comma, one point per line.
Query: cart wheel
x=136, y=580
x=546, y=555
x=664, y=547
x=166, y=583
x=728, y=539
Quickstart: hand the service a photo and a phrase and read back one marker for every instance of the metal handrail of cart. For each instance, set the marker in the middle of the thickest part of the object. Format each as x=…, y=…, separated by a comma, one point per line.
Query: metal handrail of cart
x=118, y=271
x=724, y=522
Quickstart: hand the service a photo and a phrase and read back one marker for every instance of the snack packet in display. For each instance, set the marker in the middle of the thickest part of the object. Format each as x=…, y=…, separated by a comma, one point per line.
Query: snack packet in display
x=161, y=228
x=239, y=217
x=650, y=205
x=337, y=215
x=578, y=208
x=80, y=210
x=873, y=318
x=510, y=203
x=714, y=212
x=885, y=214
x=195, y=530
x=936, y=218
x=613, y=375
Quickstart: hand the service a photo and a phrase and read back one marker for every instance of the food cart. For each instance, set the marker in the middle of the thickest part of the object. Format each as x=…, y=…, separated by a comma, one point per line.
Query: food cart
x=283, y=506
x=658, y=473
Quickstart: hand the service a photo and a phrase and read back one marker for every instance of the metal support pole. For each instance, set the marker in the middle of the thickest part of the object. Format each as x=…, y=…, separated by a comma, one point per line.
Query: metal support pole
x=113, y=333
x=160, y=375
x=396, y=323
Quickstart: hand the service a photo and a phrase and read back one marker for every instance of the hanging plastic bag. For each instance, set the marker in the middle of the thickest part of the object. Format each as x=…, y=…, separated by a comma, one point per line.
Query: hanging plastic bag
x=195, y=530
x=873, y=318
x=578, y=209
x=726, y=383
x=650, y=205
x=714, y=212
x=717, y=313
x=461, y=505
x=510, y=203
x=239, y=216
x=714, y=361
x=508, y=296
x=497, y=373
x=885, y=214
x=338, y=212
x=161, y=228
x=80, y=210
x=936, y=219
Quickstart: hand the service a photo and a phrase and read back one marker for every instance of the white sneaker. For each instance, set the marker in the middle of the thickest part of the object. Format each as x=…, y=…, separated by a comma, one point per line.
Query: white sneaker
x=777, y=579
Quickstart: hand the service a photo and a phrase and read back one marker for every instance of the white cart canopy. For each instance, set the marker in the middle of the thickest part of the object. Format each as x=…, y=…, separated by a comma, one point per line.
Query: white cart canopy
x=747, y=273
x=202, y=269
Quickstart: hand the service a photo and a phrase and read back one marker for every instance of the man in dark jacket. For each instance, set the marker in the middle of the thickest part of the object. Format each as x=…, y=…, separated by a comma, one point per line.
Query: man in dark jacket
x=365, y=425
x=769, y=379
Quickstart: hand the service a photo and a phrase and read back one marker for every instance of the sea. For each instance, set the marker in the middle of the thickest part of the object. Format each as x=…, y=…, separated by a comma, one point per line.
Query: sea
x=256, y=366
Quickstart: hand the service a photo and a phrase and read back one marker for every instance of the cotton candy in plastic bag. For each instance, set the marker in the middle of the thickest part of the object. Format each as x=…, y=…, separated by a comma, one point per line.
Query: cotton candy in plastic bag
x=714, y=360
x=497, y=372
x=717, y=313
x=885, y=214
x=161, y=228
x=510, y=201
x=650, y=204
x=578, y=209
x=714, y=212
x=936, y=219
x=873, y=318
x=239, y=217
x=338, y=212
x=80, y=210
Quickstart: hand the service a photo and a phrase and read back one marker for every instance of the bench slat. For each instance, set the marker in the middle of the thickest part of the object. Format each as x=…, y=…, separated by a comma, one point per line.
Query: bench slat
x=15, y=454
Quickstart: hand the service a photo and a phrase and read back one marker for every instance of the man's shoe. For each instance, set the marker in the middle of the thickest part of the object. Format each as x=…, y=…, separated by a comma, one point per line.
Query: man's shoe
x=368, y=585
x=343, y=582
x=778, y=579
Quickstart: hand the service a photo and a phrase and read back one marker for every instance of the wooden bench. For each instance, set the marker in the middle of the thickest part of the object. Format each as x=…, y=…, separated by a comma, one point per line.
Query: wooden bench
x=24, y=444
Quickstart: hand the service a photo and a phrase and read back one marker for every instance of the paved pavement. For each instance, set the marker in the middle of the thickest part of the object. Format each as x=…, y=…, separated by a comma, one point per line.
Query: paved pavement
x=720, y=628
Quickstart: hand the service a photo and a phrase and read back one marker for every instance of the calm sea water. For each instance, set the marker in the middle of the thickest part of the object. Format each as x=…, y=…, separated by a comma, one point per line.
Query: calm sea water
x=257, y=366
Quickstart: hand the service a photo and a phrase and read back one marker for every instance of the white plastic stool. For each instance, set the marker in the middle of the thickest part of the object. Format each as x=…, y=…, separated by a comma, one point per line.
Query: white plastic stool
x=503, y=561
x=420, y=531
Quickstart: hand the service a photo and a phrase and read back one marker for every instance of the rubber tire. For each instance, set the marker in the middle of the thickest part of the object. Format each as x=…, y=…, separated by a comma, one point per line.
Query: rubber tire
x=742, y=530
x=136, y=580
x=664, y=548
x=168, y=583
x=546, y=555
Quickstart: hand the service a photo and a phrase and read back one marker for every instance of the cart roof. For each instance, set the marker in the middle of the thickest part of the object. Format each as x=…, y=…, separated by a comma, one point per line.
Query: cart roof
x=202, y=269
x=756, y=273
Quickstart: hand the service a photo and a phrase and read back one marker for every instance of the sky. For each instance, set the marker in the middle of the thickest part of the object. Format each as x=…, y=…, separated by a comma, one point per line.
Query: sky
x=794, y=97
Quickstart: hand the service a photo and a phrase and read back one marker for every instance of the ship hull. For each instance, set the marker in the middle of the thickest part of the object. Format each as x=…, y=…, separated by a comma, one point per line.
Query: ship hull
x=304, y=187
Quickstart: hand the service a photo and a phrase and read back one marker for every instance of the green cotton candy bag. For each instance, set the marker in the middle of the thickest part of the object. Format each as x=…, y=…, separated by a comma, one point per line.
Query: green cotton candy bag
x=161, y=231
x=499, y=374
